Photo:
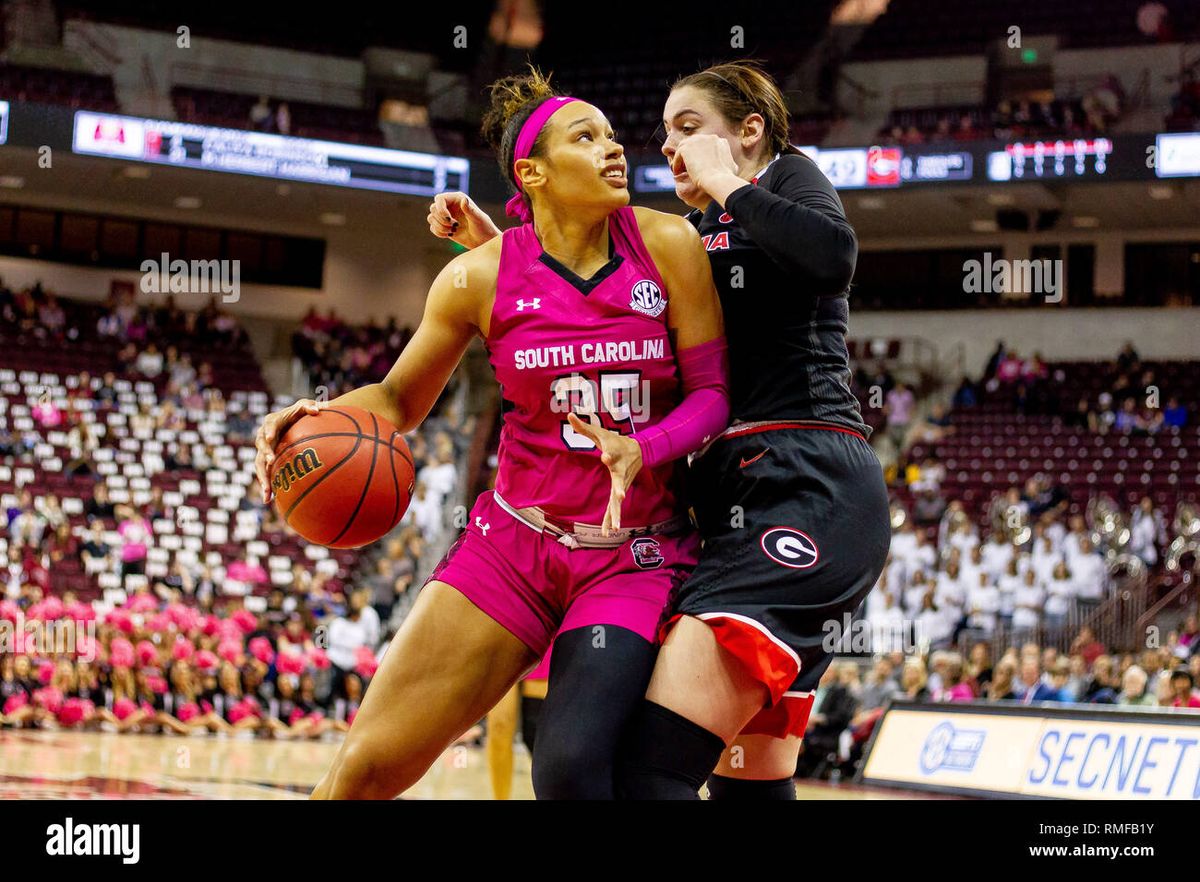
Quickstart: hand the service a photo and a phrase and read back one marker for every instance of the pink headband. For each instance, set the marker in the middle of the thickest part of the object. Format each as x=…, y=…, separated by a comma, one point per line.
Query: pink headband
x=515, y=207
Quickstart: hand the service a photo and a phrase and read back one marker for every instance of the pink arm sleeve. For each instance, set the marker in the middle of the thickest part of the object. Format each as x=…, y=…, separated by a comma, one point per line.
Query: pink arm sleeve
x=703, y=412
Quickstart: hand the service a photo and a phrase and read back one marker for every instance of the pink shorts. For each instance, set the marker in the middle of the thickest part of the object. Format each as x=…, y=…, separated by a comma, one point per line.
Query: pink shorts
x=535, y=586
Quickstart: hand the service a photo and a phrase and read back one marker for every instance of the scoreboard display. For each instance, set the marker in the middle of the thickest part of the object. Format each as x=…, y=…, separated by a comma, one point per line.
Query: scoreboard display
x=210, y=148
x=1069, y=160
x=1077, y=158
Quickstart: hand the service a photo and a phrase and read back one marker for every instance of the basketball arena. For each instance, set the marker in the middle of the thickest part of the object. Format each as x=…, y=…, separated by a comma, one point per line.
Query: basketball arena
x=900, y=501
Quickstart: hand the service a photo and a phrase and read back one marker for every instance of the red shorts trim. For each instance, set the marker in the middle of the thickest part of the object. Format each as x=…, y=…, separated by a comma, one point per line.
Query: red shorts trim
x=789, y=716
x=767, y=658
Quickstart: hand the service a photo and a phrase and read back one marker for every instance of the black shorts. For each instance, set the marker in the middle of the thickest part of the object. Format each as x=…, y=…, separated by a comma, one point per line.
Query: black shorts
x=794, y=518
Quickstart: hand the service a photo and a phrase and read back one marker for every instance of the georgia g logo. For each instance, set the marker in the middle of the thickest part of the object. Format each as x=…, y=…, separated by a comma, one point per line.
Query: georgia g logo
x=646, y=297
x=646, y=553
x=790, y=548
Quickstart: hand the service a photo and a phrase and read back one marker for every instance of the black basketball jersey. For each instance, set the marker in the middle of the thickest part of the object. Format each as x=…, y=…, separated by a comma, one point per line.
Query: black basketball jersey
x=782, y=256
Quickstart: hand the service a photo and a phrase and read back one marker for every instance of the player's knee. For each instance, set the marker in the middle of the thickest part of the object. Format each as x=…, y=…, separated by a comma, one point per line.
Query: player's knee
x=568, y=768
x=362, y=771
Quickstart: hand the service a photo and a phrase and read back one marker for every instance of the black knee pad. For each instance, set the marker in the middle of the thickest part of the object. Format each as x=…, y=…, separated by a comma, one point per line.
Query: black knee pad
x=743, y=790
x=665, y=755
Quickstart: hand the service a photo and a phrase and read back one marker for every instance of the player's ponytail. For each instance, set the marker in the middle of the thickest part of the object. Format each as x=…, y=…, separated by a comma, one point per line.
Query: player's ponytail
x=740, y=88
x=513, y=101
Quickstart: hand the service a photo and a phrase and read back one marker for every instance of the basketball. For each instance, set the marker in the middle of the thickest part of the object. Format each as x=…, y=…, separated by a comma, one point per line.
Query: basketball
x=343, y=478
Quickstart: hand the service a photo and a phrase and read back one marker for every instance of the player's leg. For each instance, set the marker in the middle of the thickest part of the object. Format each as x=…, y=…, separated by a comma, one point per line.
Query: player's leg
x=756, y=767
x=501, y=730
x=446, y=668
x=602, y=660
x=700, y=696
x=755, y=613
x=598, y=679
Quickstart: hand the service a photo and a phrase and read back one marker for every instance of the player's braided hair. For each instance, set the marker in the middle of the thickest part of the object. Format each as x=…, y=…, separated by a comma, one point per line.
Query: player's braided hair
x=740, y=88
x=513, y=101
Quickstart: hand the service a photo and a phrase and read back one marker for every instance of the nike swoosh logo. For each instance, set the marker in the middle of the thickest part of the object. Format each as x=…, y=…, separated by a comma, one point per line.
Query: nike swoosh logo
x=746, y=462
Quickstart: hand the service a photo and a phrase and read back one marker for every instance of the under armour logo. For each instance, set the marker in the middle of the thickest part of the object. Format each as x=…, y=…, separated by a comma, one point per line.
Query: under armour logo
x=536, y=303
x=483, y=528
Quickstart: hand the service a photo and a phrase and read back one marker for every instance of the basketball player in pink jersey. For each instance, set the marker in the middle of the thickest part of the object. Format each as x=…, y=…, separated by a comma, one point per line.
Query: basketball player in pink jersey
x=604, y=329
x=735, y=681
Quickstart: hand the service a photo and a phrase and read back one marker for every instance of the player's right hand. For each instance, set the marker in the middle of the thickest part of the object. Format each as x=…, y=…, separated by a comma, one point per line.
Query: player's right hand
x=455, y=216
x=274, y=425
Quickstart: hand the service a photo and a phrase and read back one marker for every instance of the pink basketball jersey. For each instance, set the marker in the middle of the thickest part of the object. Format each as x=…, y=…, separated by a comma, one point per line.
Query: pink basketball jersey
x=560, y=343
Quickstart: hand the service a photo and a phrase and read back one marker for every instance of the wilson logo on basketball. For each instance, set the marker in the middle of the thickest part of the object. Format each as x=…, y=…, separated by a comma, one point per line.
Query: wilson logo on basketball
x=301, y=466
x=790, y=548
x=646, y=297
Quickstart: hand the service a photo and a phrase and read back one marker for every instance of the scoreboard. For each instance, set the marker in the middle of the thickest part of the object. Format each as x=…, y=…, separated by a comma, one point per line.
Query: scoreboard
x=1077, y=158
x=188, y=145
x=1067, y=160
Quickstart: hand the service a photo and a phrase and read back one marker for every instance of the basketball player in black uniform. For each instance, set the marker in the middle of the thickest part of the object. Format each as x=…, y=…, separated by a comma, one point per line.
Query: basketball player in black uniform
x=790, y=499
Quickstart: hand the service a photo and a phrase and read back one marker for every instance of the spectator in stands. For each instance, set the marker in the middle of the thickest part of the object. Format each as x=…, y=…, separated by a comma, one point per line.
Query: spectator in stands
x=261, y=118
x=928, y=506
x=1133, y=689
x=179, y=458
x=240, y=424
x=51, y=511
x=833, y=708
x=1182, y=693
x=1087, y=645
x=881, y=686
x=149, y=362
x=1176, y=415
x=1148, y=531
x=1001, y=686
x=95, y=551
x=913, y=680
x=1102, y=687
x=46, y=413
x=283, y=119
x=898, y=406
x=135, y=534
x=1060, y=591
x=983, y=604
x=966, y=395
x=935, y=427
x=1127, y=418
x=1030, y=687
x=26, y=525
x=954, y=685
x=1059, y=682
x=347, y=634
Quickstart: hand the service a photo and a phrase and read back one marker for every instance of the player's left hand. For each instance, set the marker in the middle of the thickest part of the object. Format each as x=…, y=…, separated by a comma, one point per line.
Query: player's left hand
x=623, y=457
x=701, y=155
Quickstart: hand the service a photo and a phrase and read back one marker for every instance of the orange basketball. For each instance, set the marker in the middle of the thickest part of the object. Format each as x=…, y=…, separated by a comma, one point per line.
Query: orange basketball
x=342, y=478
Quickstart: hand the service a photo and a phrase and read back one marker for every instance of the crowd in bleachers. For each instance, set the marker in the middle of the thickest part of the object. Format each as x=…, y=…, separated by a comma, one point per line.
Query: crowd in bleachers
x=848, y=703
x=131, y=512
x=1015, y=574
x=339, y=356
x=1092, y=115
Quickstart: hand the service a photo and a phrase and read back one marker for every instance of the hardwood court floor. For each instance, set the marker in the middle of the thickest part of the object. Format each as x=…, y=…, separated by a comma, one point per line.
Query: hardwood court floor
x=102, y=765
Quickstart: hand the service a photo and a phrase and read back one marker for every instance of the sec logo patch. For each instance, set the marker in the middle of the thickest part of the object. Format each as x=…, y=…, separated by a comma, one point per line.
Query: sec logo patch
x=646, y=297
x=790, y=548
